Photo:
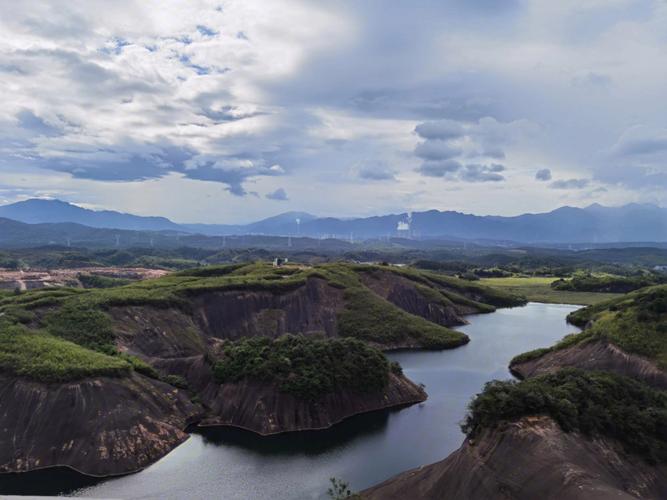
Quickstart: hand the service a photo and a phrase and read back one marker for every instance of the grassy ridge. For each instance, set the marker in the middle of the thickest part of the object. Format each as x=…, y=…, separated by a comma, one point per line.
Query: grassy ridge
x=594, y=403
x=40, y=356
x=80, y=316
x=636, y=323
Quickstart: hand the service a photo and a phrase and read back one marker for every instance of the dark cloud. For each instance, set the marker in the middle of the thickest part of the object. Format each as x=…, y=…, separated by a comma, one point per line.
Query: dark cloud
x=637, y=160
x=544, y=174
x=436, y=150
x=228, y=113
x=278, y=195
x=494, y=152
x=439, y=168
x=570, y=184
x=443, y=129
x=228, y=171
x=482, y=173
x=638, y=145
x=376, y=172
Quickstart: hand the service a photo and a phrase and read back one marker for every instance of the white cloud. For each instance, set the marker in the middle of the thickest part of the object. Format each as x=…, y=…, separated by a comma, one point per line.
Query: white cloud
x=258, y=96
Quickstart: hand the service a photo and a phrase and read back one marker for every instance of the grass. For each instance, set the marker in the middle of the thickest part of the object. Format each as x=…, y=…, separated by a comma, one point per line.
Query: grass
x=593, y=403
x=81, y=316
x=305, y=367
x=538, y=289
x=369, y=317
x=39, y=356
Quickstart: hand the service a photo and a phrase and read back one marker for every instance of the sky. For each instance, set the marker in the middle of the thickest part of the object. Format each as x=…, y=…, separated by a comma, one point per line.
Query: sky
x=231, y=111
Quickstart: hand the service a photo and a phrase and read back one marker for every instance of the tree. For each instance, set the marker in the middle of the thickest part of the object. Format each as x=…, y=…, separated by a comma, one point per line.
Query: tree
x=339, y=490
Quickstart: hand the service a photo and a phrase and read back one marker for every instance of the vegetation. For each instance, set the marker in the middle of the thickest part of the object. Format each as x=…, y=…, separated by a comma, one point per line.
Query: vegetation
x=40, y=356
x=587, y=282
x=369, y=317
x=340, y=490
x=304, y=366
x=637, y=323
x=87, y=327
x=593, y=403
x=98, y=281
x=81, y=316
x=540, y=289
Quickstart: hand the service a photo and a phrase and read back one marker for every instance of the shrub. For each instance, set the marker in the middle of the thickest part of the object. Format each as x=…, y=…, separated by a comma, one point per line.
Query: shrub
x=82, y=325
x=304, y=366
x=594, y=403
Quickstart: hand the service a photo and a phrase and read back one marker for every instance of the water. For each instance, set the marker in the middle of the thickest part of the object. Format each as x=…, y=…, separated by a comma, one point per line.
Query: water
x=234, y=464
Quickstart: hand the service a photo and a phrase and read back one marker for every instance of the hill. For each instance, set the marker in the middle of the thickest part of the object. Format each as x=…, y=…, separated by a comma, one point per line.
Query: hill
x=212, y=346
x=625, y=335
x=572, y=434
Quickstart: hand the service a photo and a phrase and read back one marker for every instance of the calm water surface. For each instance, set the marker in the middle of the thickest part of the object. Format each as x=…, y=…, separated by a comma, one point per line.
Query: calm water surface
x=232, y=464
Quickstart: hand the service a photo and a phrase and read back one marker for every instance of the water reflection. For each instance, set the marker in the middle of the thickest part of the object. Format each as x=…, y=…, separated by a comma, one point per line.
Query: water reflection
x=56, y=481
x=310, y=443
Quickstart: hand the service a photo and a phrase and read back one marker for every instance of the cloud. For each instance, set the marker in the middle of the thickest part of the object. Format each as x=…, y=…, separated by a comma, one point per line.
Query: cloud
x=442, y=129
x=592, y=79
x=494, y=152
x=641, y=141
x=278, y=195
x=439, y=168
x=482, y=173
x=376, y=172
x=570, y=184
x=544, y=174
x=637, y=160
x=195, y=95
x=29, y=121
x=436, y=150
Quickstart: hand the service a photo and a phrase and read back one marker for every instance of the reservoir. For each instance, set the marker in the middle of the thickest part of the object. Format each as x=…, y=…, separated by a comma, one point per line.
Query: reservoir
x=364, y=450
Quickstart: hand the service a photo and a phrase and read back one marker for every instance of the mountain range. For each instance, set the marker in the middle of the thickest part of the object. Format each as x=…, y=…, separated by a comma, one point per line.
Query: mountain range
x=565, y=225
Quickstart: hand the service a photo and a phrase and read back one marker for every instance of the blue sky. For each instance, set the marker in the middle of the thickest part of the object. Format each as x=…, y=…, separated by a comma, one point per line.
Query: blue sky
x=229, y=111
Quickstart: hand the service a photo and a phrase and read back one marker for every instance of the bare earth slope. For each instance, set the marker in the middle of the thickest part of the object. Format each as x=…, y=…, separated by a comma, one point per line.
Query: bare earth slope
x=627, y=336
x=526, y=460
x=596, y=355
x=98, y=426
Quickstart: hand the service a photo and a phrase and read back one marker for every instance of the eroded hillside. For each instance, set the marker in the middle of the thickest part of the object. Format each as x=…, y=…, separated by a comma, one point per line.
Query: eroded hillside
x=196, y=346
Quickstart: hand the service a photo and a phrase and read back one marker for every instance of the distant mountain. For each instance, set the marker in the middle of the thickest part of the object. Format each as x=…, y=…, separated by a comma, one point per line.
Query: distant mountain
x=14, y=234
x=593, y=224
x=565, y=225
x=280, y=225
x=38, y=211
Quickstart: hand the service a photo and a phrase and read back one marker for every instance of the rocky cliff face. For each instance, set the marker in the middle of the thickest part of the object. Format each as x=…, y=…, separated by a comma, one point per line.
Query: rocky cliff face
x=311, y=308
x=594, y=355
x=263, y=409
x=98, y=426
x=405, y=293
x=528, y=459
